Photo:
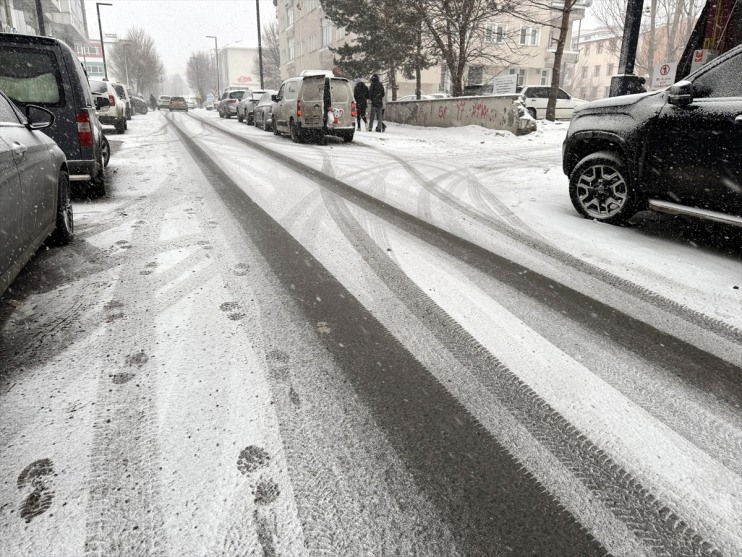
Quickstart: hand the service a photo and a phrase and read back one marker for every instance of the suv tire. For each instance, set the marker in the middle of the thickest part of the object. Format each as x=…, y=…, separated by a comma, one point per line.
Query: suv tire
x=121, y=126
x=601, y=189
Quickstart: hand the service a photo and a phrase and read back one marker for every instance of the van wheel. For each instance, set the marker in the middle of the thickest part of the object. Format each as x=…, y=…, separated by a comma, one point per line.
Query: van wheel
x=240, y=118
x=121, y=126
x=294, y=132
x=105, y=151
x=65, y=227
x=532, y=112
x=601, y=188
x=348, y=137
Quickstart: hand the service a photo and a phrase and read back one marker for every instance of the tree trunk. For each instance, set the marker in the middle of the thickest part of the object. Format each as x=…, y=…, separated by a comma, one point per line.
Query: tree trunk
x=418, y=63
x=556, y=72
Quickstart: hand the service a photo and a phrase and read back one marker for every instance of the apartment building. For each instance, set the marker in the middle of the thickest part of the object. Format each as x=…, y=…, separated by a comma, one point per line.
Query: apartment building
x=306, y=36
x=238, y=66
x=590, y=77
x=63, y=19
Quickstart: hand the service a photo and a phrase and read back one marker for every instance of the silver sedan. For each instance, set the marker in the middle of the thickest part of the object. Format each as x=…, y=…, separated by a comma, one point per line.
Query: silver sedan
x=34, y=188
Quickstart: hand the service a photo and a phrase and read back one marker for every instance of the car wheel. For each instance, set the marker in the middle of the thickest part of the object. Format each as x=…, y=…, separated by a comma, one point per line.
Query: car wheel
x=105, y=150
x=240, y=118
x=97, y=186
x=275, y=129
x=227, y=115
x=348, y=137
x=601, y=189
x=126, y=125
x=121, y=126
x=65, y=227
x=532, y=112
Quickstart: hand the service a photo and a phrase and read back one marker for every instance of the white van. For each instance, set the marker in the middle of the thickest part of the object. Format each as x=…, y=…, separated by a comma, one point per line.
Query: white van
x=303, y=104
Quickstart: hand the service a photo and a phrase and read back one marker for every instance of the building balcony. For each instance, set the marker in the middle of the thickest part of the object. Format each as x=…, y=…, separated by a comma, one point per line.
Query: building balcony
x=568, y=57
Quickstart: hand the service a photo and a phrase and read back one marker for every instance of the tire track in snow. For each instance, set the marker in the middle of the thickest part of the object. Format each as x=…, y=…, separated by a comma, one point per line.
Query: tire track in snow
x=642, y=512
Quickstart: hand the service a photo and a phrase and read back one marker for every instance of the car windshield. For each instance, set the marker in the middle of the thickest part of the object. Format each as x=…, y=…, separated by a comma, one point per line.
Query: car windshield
x=503, y=320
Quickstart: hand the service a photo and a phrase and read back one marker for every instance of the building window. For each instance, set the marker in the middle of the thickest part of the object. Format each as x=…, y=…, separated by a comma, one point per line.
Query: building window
x=327, y=34
x=529, y=36
x=290, y=17
x=312, y=43
x=521, y=73
x=587, y=50
x=494, y=33
x=600, y=48
x=609, y=70
x=291, y=50
x=475, y=75
x=597, y=71
x=546, y=76
x=613, y=44
x=584, y=71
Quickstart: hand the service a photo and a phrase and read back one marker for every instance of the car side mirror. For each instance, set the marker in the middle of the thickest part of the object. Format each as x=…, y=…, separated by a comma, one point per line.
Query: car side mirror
x=275, y=98
x=102, y=102
x=38, y=118
x=681, y=94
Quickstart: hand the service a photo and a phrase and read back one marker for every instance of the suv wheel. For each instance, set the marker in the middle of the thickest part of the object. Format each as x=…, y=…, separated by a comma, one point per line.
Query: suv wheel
x=240, y=118
x=121, y=126
x=532, y=112
x=105, y=150
x=65, y=228
x=601, y=189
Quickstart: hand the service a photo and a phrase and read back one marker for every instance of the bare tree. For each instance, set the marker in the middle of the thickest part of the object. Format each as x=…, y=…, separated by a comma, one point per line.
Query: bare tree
x=461, y=32
x=200, y=71
x=271, y=57
x=136, y=56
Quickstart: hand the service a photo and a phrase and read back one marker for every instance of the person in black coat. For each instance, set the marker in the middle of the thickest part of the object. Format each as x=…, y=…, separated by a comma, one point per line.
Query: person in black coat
x=376, y=96
x=360, y=94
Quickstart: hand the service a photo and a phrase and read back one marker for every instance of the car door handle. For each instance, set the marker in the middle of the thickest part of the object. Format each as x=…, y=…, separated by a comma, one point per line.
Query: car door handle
x=19, y=148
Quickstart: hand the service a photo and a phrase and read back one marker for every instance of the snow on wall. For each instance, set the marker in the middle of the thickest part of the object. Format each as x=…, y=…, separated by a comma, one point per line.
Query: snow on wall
x=502, y=112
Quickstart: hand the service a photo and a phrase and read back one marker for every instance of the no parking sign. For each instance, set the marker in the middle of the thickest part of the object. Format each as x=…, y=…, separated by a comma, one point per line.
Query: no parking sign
x=664, y=75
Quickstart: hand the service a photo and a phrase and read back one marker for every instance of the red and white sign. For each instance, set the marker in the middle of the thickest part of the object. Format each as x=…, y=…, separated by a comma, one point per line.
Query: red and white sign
x=244, y=79
x=663, y=75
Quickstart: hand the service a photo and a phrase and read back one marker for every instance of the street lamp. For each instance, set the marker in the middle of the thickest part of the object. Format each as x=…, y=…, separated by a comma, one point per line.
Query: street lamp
x=100, y=30
x=216, y=54
x=124, y=44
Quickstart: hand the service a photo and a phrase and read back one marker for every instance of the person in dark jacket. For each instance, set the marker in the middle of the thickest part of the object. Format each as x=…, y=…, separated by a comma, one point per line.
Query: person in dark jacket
x=360, y=94
x=376, y=96
x=152, y=101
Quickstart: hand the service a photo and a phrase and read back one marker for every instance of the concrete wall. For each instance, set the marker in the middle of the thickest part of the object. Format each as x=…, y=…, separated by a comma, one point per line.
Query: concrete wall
x=501, y=112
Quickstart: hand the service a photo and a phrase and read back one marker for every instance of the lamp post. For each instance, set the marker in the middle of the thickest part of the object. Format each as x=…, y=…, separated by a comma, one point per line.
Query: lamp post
x=216, y=55
x=260, y=44
x=124, y=44
x=100, y=30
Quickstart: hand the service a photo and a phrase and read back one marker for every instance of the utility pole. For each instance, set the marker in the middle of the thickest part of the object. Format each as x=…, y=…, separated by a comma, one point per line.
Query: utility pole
x=260, y=44
x=124, y=44
x=100, y=30
x=216, y=55
x=626, y=83
x=40, y=18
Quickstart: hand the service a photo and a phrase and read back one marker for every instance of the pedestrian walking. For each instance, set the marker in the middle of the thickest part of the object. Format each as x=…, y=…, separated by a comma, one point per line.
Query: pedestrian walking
x=360, y=94
x=376, y=96
x=152, y=101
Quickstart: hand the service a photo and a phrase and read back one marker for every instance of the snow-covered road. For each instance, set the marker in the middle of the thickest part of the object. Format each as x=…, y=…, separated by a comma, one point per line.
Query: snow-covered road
x=406, y=345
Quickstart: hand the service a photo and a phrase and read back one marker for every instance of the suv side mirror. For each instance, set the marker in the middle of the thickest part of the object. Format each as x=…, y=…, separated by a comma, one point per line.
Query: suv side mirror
x=38, y=118
x=681, y=94
x=102, y=102
x=275, y=98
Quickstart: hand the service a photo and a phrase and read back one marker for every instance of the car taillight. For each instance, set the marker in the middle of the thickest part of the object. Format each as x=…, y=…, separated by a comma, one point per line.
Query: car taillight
x=232, y=101
x=353, y=109
x=298, y=108
x=84, y=129
x=112, y=100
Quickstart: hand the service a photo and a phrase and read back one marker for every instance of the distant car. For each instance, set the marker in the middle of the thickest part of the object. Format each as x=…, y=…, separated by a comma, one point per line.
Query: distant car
x=138, y=104
x=163, y=101
x=45, y=72
x=438, y=95
x=263, y=112
x=34, y=188
x=675, y=151
x=178, y=103
x=191, y=102
x=246, y=106
x=414, y=98
x=536, y=97
x=111, y=109
x=124, y=96
x=227, y=106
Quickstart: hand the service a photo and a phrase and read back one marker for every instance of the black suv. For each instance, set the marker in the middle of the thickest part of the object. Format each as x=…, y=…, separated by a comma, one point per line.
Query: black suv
x=677, y=151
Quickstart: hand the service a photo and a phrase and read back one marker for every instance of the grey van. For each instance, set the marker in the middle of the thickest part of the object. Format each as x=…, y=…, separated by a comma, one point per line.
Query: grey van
x=302, y=104
x=45, y=72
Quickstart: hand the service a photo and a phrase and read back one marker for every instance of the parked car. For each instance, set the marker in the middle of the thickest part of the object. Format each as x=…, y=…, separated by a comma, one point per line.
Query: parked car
x=414, y=98
x=124, y=96
x=439, y=95
x=178, y=103
x=191, y=103
x=112, y=112
x=536, y=97
x=263, y=113
x=676, y=150
x=302, y=104
x=45, y=72
x=138, y=104
x=227, y=106
x=163, y=101
x=246, y=106
x=34, y=188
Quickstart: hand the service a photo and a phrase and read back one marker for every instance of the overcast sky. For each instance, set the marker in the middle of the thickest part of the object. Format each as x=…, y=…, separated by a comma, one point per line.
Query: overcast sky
x=179, y=27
